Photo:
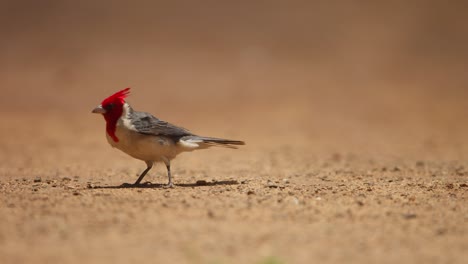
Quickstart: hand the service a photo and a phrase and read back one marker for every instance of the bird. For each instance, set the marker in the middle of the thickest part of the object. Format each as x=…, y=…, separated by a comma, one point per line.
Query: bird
x=147, y=138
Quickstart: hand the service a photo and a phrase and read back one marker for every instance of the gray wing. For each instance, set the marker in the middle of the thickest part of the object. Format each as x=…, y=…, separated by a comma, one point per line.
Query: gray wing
x=147, y=124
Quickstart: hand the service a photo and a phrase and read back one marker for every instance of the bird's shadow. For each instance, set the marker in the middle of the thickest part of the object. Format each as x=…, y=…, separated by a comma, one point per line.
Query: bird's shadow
x=159, y=185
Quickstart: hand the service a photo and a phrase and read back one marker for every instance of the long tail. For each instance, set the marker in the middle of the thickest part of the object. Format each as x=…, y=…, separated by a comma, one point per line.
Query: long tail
x=204, y=142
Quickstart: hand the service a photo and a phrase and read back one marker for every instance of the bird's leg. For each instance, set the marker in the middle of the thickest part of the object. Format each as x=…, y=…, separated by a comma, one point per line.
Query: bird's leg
x=142, y=175
x=169, y=184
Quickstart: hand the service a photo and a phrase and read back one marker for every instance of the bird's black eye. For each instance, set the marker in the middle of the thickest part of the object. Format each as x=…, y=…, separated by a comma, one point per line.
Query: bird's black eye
x=109, y=106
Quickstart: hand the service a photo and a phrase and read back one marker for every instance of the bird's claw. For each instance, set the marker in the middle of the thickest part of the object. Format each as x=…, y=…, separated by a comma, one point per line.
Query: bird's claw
x=169, y=185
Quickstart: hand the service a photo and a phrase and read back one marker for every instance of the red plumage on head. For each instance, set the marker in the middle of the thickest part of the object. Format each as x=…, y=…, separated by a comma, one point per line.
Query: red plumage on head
x=117, y=97
x=114, y=104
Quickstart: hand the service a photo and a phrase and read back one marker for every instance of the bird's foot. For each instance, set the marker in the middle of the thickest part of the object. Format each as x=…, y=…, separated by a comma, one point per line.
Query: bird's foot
x=169, y=185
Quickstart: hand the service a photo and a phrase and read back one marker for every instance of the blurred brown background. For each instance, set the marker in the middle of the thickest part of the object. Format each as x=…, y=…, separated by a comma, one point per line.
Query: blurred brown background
x=387, y=78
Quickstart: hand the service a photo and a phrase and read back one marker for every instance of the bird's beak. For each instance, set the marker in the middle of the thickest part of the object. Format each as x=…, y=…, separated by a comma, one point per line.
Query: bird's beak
x=99, y=110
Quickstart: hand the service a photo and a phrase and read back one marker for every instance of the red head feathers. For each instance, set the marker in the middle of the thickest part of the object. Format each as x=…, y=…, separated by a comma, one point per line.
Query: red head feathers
x=117, y=97
x=114, y=109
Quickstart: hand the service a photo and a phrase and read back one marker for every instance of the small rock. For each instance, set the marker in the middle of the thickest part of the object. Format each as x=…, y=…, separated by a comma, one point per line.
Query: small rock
x=360, y=203
x=66, y=179
x=460, y=171
x=286, y=181
x=76, y=193
x=325, y=178
x=37, y=179
x=441, y=231
x=271, y=184
x=210, y=214
x=449, y=186
x=250, y=192
x=420, y=163
x=463, y=185
x=90, y=185
x=409, y=216
x=293, y=200
x=201, y=183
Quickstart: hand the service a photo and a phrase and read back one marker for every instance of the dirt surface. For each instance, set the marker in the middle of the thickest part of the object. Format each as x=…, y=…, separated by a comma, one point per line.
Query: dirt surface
x=355, y=119
x=273, y=201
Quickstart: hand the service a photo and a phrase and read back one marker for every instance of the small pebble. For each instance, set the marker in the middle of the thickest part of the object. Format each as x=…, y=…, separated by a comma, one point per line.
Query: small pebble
x=293, y=200
x=210, y=214
x=409, y=216
x=201, y=183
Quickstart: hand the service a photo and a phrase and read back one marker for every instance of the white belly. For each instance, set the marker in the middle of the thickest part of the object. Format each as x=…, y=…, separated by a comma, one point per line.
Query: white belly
x=144, y=147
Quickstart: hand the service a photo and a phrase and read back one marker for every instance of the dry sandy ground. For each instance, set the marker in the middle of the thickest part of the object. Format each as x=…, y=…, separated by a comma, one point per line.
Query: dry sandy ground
x=292, y=195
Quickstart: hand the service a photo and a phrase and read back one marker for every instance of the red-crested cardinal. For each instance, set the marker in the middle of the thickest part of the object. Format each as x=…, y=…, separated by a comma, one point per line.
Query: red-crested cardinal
x=147, y=138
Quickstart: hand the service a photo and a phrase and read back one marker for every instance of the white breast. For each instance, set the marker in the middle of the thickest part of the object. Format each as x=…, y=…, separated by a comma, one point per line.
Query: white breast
x=141, y=146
